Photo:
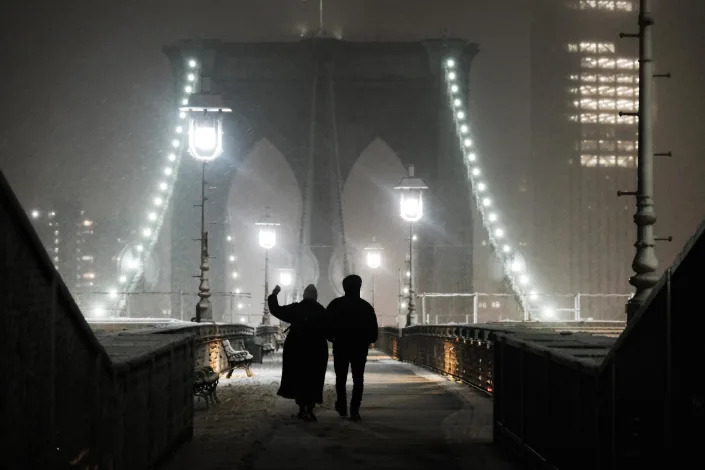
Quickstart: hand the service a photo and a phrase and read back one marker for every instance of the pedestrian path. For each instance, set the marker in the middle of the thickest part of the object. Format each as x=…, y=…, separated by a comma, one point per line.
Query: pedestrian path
x=411, y=419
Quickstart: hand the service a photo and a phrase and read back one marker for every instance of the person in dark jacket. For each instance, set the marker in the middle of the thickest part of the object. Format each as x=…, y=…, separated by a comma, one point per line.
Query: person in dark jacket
x=305, y=355
x=352, y=328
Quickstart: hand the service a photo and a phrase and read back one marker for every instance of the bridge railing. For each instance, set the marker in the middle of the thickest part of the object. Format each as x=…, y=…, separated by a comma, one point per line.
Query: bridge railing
x=229, y=307
x=481, y=308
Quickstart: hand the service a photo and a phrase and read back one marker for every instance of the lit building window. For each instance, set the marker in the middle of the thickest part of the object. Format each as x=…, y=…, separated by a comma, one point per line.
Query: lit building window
x=607, y=5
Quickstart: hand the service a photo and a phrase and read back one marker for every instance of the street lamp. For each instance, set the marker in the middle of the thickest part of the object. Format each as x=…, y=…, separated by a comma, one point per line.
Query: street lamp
x=205, y=143
x=411, y=204
x=286, y=279
x=374, y=260
x=267, y=239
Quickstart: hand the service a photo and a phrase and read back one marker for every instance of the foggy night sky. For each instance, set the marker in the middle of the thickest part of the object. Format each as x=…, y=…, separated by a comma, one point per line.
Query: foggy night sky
x=85, y=89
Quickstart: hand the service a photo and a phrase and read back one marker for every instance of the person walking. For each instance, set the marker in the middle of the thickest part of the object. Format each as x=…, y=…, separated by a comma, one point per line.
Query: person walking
x=305, y=356
x=352, y=328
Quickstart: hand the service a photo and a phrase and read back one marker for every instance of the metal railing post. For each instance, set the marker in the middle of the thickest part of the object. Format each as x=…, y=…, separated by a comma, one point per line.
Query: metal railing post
x=475, y=306
x=576, y=307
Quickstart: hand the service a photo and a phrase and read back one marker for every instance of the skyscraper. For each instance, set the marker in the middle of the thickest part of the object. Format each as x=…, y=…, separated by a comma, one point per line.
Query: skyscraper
x=583, y=152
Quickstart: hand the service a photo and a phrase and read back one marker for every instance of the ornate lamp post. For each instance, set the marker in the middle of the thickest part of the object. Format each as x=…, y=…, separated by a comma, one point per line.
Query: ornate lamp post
x=205, y=135
x=411, y=203
x=374, y=260
x=267, y=240
x=286, y=279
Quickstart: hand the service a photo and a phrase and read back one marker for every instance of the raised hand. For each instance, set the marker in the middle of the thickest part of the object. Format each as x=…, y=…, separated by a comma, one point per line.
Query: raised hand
x=276, y=290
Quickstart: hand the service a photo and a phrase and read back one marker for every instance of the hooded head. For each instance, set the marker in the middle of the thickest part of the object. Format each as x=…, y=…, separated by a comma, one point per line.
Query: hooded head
x=310, y=293
x=352, y=285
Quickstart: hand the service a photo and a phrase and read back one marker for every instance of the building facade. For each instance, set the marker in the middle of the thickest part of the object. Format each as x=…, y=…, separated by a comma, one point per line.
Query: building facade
x=583, y=151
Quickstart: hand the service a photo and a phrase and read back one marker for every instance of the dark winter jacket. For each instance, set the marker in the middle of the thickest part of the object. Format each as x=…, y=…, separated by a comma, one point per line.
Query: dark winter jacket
x=305, y=355
x=351, y=321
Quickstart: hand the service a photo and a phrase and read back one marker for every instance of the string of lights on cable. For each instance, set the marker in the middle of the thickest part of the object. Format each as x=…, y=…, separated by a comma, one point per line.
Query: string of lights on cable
x=515, y=273
x=132, y=270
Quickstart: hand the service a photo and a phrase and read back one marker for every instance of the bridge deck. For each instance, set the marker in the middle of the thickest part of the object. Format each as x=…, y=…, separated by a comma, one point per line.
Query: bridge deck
x=411, y=419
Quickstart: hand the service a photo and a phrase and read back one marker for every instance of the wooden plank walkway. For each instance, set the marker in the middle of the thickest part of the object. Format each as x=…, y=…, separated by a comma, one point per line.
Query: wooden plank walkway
x=411, y=419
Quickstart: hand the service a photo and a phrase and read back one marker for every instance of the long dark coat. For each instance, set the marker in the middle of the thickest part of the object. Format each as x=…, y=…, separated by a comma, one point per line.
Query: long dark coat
x=305, y=350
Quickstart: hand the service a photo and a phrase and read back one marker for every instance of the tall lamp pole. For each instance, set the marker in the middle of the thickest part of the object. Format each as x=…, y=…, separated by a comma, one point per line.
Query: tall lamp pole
x=267, y=239
x=645, y=262
x=411, y=204
x=374, y=260
x=205, y=144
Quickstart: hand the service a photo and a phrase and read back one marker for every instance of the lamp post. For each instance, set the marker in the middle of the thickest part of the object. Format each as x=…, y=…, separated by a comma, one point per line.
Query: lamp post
x=286, y=279
x=205, y=135
x=374, y=260
x=411, y=203
x=267, y=240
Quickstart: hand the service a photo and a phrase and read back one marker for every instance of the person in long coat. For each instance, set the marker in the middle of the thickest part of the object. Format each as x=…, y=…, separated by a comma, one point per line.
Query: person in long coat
x=305, y=355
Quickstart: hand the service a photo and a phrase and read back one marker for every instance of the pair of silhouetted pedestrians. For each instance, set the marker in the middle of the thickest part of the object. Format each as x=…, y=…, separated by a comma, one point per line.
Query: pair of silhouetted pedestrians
x=349, y=323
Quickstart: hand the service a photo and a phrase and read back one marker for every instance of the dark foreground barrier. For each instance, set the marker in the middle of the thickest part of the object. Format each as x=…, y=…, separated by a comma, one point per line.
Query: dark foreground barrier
x=66, y=400
x=566, y=399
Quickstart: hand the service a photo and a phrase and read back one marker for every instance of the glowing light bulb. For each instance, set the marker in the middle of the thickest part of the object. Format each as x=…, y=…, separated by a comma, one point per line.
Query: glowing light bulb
x=158, y=201
x=163, y=186
x=35, y=214
x=467, y=142
x=152, y=216
x=122, y=279
x=492, y=217
x=184, y=101
x=235, y=274
x=168, y=171
x=454, y=89
x=499, y=233
x=172, y=157
x=457, y=102
x=450, y=63
x=147, y=232
x=506, y=248
x=523, y=279
x=182, y=115
x=487, y=202
x=461, y=115
x=140, y=248
x=175, y=143
x=179, y=129
x=188, y=88
x=481, y=187
x=476, y=171
x=237, y=291
x=451, y=76
x=192, y=63
x=232, y=259
x=191, y=77
x=464, y=129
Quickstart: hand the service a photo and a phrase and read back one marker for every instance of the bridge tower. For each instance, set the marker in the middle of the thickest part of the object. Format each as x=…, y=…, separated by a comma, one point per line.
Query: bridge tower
x=321, y=101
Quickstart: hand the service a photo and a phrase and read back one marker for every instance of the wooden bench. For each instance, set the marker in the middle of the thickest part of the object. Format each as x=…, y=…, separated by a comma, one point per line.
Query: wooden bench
x=205, y=382
x=237, y=359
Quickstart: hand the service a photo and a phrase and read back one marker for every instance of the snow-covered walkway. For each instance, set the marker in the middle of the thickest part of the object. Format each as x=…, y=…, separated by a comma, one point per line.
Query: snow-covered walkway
x=411, y=418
